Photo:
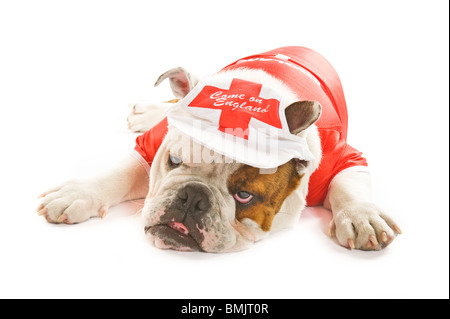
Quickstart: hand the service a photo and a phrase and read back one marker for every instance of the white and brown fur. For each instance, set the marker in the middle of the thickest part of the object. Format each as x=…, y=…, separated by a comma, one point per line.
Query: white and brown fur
x=357, y=222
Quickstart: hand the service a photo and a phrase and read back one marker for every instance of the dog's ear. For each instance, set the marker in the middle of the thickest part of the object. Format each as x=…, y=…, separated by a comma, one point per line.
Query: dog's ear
x=301, y=115
x=181, y=81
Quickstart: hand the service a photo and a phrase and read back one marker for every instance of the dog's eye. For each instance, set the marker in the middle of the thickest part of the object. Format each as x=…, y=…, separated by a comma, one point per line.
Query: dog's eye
x=174, y=161
x=243, y=197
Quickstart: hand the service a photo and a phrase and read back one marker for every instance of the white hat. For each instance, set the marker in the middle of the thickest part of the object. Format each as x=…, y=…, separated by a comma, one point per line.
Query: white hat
x=242, y=120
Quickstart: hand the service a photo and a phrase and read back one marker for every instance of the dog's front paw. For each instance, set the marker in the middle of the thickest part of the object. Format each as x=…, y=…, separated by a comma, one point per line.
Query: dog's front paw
x=71, y=203
x=363, y=226
x=144, y=115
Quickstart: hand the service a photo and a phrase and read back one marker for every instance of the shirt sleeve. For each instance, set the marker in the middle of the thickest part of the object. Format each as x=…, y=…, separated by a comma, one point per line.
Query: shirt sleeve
x=148, y=143
x=337, y=156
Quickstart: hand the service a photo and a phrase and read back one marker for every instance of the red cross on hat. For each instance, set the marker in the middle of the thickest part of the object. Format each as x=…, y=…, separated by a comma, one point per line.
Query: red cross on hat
x=221, y=107
x=239, y=104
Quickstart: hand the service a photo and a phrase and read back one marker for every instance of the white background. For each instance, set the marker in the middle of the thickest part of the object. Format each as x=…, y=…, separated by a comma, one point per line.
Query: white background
x=68, y=69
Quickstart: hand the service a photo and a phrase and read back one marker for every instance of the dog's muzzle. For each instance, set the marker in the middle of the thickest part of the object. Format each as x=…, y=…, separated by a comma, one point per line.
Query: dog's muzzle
x=182, y=224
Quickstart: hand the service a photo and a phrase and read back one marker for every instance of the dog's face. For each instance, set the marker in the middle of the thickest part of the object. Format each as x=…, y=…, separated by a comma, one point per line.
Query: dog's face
x=216, y=205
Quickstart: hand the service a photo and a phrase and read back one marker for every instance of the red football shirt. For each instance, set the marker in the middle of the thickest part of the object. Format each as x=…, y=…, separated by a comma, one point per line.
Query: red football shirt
x=310, y=77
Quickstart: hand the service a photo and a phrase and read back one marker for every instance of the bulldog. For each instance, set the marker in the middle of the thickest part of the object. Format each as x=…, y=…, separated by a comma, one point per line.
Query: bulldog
x=237, y=156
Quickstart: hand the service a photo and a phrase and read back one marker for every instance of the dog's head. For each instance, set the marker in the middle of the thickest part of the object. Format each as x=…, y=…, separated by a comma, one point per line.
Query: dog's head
x=200, y=200
x=213, y=203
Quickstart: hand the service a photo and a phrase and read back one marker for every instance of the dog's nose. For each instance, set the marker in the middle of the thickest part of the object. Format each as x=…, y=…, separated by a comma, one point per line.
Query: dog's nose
x=195, y=199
